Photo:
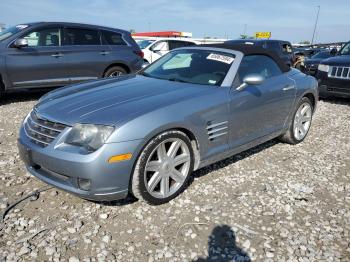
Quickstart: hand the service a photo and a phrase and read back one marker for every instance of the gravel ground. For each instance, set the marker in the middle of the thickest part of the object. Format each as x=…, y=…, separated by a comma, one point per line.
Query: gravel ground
x=276, y=202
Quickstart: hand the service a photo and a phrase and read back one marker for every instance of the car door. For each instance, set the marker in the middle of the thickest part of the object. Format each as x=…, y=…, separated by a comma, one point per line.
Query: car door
x=259, y=110
x=159, y=49
x=41, y=63
x=86, y=57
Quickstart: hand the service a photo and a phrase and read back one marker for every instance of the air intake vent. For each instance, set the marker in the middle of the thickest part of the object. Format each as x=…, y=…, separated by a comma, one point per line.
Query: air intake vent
x=216, y=130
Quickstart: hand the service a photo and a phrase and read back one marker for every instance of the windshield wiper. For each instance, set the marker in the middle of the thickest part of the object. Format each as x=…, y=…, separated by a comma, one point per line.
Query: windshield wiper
x=176, y=80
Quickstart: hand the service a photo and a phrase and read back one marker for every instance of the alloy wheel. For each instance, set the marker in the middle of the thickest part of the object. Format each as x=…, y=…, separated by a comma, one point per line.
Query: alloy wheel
x=302, y=121
x=167, y=168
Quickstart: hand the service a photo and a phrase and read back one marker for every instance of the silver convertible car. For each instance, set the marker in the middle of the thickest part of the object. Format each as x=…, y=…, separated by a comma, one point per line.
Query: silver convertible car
x=145, y=134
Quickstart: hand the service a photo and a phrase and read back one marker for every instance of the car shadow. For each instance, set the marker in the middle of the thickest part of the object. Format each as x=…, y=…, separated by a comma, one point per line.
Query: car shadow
x=231, y=160
x=222, y=247
x=22, y=96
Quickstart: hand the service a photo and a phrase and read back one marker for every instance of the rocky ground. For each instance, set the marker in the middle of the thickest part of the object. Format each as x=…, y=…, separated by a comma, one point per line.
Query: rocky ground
x=275, y=202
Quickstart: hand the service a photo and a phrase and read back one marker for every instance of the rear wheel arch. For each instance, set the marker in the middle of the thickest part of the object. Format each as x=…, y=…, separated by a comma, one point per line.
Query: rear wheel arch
x=125, y=67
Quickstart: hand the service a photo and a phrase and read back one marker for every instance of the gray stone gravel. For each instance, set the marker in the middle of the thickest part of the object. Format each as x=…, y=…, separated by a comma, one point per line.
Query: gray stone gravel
x=276, y=202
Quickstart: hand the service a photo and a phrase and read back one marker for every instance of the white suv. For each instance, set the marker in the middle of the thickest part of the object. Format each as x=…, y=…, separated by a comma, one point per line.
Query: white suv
x=153, y=49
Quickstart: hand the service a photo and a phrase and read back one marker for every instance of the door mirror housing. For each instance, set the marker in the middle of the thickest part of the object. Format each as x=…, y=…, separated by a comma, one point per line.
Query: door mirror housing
x=21, y=42
x=251, y=79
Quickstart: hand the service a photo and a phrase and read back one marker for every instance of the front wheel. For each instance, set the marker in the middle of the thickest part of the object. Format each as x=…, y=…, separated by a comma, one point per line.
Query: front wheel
x=301, y=123
x=163, y=168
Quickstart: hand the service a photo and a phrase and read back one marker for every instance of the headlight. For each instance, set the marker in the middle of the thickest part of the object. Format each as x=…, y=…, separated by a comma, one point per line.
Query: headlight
x=89, y=136
x=323, y=68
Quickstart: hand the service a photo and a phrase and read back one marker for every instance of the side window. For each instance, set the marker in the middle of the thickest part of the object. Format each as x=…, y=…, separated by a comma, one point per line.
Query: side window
x=112, y=38
x=44, y=37
x=160, y=46
x=178, y=44
x=287, y=48
x=79, y=36
x=257, y=64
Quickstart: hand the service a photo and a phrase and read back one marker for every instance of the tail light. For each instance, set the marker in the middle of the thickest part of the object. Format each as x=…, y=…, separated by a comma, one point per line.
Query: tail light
x=139, y=53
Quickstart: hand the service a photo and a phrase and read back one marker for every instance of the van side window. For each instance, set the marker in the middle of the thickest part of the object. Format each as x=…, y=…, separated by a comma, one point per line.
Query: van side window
x=44, y=37
x=112, y=38
x=257, y=64
x=79, y=36
x=287, y=48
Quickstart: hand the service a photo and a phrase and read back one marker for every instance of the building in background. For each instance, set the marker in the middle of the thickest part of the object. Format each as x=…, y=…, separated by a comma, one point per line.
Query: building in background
x=2, y=27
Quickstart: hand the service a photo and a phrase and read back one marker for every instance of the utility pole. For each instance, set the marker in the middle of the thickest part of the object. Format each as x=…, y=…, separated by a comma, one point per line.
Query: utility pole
x=245, y=29
x=318, y=13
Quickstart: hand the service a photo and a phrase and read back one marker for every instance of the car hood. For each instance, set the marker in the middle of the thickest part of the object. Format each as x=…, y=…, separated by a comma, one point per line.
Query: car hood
x=313, y=61
x=110, y=101
x=341, y=60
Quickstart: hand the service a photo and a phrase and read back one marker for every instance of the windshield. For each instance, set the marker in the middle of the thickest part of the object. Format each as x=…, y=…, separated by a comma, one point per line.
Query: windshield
x=345, y=50
x=321, y=55
x=11, y=31
x=204, y=67
x=144, y=43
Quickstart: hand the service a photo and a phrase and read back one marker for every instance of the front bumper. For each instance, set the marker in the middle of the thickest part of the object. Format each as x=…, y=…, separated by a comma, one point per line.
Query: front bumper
x=64, y=169
x=332, y=86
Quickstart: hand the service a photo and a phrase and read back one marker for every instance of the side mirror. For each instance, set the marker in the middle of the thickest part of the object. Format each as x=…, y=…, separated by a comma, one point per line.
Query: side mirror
x=252, y=79
x=334, y=52
x=21, y=42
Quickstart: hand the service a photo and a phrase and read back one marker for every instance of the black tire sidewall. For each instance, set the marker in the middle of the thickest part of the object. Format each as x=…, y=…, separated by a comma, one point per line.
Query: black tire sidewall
x=143, y=160
x=302, y=101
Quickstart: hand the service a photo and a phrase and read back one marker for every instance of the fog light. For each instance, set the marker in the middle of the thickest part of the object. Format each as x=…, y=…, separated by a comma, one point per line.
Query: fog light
x=84, y=184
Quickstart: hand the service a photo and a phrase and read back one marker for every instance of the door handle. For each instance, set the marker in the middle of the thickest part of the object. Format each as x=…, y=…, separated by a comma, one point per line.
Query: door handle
x=104, y=53
x=286, y=88
x=57, y=55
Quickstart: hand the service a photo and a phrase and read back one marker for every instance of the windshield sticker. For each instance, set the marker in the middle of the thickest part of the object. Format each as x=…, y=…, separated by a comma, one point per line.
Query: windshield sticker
x=221, y=58
x=21, y=27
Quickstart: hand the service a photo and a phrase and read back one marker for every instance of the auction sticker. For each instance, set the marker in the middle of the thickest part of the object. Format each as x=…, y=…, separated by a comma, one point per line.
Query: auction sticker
x=221, y=58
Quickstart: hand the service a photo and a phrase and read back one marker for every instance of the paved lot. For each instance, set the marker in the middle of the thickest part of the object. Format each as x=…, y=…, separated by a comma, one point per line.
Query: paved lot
x=275, y=202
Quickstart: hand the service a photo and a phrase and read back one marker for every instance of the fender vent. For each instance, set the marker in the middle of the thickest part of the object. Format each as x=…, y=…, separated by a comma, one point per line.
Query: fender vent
x=216, y=130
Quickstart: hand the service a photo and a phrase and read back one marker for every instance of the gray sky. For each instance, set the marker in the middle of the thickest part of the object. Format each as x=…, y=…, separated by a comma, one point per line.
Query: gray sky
x=289, y=20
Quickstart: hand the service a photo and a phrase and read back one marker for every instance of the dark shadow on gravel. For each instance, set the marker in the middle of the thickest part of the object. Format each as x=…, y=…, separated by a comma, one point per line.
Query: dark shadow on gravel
x=337, y=100
x=231, y=160
x=22, y=96
x=222, y=247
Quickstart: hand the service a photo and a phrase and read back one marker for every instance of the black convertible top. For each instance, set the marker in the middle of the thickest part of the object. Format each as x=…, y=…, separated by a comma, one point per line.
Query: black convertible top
x=253, y=50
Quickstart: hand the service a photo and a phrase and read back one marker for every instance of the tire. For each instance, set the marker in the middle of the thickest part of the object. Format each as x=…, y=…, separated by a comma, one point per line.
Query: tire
x=295, y=134
x=2, y=89
x=156, y=178
x=115, y=71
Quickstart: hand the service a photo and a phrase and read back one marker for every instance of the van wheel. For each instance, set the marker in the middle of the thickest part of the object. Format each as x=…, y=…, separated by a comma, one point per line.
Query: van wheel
x=301, y=123
x=163, y=168
x=115, y=71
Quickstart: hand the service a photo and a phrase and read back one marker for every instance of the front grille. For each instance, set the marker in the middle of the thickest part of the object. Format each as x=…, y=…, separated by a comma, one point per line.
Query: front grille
x=339, y=72
x=40, y=131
